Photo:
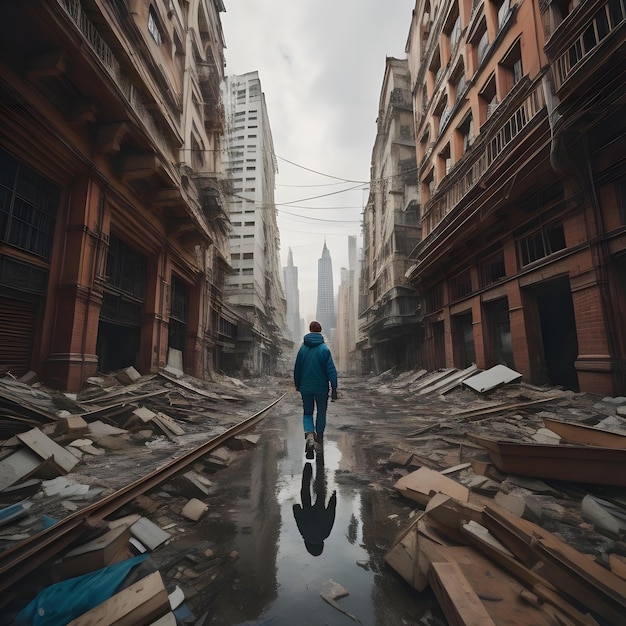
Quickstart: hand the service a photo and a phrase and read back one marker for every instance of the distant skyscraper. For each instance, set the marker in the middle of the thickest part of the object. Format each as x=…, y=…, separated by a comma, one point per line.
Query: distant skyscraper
x=292, y=293
x=325, y=295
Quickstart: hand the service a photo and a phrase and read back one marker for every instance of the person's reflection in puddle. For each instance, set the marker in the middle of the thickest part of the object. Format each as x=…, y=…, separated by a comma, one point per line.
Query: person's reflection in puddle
x=315, y=520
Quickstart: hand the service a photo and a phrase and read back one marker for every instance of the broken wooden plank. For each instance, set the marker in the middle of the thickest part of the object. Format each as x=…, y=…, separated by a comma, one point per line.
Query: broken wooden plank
x=167, y=423
x=572, y=573
x=585, y=464
x=138, y=605
x=496, y=588
x=458, y=601
x=586, y=435
x=421, y=484
x=94, y=554
x=480, y=413
x=618, y=565
x=403, y=556
x=453, y=378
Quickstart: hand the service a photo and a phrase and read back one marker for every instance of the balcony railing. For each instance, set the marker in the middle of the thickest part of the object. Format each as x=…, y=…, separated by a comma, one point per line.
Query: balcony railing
x=606, y=20
x=100, y=48
x=438, y=208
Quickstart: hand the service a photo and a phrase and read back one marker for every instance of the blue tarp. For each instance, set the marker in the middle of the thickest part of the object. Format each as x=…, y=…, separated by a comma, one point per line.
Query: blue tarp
x=64, y=601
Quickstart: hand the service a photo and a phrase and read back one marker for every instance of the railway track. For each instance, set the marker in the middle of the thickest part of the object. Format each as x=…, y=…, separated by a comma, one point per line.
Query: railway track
x=26, y=556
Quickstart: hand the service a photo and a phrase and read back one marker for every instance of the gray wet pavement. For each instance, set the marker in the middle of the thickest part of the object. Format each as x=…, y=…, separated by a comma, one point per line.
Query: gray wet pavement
x=276, y=579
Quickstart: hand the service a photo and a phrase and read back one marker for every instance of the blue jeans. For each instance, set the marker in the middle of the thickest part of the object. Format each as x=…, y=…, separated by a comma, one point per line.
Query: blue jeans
x=309, y=401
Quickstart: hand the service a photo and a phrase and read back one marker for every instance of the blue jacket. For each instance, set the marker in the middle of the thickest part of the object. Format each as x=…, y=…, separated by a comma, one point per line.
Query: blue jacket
x=314, y=368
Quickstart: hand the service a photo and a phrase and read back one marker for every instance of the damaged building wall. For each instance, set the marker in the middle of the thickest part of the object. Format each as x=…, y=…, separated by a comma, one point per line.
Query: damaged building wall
x=389, y=319
x=519, y=147
x=113, y=217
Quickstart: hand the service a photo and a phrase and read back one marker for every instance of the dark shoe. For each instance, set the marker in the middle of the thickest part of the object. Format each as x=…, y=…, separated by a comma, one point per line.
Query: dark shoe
x=309, y=446
x=319, y=442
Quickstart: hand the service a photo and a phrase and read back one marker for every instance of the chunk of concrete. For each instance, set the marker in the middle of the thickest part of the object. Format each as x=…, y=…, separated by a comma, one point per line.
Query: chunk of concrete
x=194, y=509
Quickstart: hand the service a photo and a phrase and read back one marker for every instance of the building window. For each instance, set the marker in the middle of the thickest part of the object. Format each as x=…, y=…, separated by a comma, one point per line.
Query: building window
x=488, y=99
x=248, y=255
x=491, y=270
x=465, y=134
x=177, y=329
x=503, y=12
x=480, y=43
x=153, y=26
x=444, y=164
x=126, y=269
x=28, y=208
x=542, y=243
x=511, y=65
x=461, y=285
x=459, y=83
x=428, y=188
x=435, y=68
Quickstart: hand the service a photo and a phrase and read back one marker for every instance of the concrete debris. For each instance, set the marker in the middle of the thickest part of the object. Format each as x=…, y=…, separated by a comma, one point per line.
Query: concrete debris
x=194, y=509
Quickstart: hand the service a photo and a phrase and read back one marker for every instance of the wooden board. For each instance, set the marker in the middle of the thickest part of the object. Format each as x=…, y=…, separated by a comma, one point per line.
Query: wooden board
x=585, y=464
x=421, y=484
x=46, y=448
x=403, y=558
x=572, y=573
x=496, y=588
x=586, y=435
x=137, y=605
x=618, y=565
x=459, y=603
x=92, y=555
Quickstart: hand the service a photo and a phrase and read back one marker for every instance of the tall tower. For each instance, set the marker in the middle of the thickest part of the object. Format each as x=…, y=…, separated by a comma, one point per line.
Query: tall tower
x=325, y=296
x=292, y=293
x=254, y=287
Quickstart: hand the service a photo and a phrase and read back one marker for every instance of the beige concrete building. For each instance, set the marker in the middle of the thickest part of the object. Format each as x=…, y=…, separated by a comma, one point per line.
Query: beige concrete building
x=254, y=288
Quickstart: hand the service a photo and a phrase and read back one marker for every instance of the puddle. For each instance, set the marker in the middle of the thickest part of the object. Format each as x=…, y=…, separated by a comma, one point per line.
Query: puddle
x=291, y=544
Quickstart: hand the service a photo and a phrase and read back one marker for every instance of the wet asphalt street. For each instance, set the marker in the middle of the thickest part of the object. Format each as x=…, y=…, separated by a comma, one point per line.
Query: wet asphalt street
x=277, y=578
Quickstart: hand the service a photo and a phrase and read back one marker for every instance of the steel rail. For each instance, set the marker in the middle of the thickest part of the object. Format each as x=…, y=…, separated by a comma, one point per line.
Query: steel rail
x=28, y=555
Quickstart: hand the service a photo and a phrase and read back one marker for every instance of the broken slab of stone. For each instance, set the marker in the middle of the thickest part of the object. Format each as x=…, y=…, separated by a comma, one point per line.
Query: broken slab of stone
x=243, y=442
x=46, y=448
x=70, y=426
x=98, y=429
x=194, y=509
x=545, y=435
x=525, y=507
x=220, y=457
x=192, y=485
x=604, y=515
x=128, y=375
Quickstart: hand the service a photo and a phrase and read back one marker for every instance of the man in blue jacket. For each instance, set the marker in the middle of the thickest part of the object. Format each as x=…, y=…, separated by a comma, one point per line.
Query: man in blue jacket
x=313, y=372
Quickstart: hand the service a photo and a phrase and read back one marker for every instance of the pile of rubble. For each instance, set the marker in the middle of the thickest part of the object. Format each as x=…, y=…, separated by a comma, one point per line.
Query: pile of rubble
x=521, y=508
x=91, y=484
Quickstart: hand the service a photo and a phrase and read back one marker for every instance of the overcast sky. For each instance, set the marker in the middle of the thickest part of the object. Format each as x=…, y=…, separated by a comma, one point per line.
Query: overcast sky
x=321, y=66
